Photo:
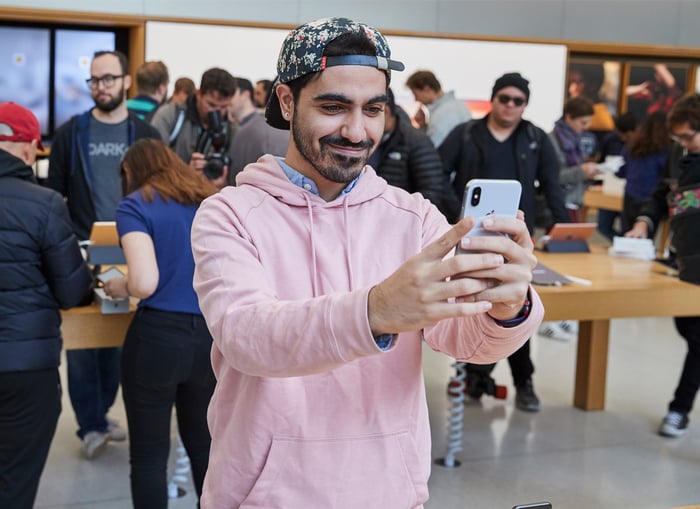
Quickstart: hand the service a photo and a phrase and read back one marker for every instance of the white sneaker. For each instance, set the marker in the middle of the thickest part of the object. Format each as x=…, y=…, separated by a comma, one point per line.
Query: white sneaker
x=554, y=330
x=115, y=431
x=94, y=443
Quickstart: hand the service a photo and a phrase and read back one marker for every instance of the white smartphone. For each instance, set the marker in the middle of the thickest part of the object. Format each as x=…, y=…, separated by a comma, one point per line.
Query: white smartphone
x=486, y=197
x=110, y=273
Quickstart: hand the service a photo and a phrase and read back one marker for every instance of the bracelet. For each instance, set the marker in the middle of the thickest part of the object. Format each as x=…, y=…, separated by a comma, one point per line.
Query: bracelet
x=520, y=317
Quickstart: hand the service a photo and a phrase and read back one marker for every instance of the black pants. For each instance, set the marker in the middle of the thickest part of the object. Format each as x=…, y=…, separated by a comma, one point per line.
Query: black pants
x=521, y=366
x=688, y=385
x=165, y=362
x=30, y=403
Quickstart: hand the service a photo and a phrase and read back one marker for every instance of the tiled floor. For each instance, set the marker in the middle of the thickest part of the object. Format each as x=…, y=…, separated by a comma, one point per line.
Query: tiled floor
x=575, y=459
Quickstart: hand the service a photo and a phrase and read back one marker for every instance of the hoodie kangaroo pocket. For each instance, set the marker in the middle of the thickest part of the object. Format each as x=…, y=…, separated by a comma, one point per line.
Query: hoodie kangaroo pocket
x=364, y=472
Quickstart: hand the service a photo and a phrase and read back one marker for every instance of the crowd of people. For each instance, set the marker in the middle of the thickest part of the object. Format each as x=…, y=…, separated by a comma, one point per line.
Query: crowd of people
x=270, y=291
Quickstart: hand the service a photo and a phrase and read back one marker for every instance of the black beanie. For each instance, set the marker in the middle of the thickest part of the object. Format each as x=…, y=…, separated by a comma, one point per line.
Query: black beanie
x=511, y=79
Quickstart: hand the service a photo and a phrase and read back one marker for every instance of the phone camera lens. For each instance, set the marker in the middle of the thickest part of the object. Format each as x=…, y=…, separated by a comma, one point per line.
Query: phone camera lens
x=476, y=196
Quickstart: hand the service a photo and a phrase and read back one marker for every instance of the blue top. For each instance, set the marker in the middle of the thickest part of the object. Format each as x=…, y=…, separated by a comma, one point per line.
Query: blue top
x=642, y=174
x=168, y=224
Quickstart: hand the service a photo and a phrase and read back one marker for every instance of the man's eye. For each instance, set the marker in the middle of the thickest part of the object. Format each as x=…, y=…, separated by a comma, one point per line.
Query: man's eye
x=375, y=110
x=331, y=108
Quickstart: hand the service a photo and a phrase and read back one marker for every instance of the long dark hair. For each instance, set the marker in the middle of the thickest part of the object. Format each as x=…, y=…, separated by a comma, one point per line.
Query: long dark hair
x=651, y=138
x=151, y=166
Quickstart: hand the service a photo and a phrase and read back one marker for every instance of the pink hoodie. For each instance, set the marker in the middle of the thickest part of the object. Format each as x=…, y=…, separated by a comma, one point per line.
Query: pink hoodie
x=308, y=412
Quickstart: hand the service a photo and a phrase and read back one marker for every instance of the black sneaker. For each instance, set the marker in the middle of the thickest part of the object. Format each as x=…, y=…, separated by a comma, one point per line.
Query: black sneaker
x=525, y=397
x=674, y=425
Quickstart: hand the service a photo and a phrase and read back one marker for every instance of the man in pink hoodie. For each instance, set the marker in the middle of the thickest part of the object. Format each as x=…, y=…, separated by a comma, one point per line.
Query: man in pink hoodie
x=318, y=281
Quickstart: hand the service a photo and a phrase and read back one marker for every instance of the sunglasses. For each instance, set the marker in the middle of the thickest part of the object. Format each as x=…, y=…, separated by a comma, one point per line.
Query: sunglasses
x=505, y=99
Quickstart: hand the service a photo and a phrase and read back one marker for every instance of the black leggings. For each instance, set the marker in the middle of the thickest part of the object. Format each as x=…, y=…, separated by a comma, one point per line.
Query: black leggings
x=165, y=361
x=689, y=328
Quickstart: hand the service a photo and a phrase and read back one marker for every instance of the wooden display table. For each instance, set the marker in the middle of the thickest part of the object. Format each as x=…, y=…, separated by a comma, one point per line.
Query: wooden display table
x=621, y=288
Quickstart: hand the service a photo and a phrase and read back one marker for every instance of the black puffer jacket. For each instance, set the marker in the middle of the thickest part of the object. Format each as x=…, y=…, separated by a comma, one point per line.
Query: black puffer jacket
x=411, y=162
x=41, y=269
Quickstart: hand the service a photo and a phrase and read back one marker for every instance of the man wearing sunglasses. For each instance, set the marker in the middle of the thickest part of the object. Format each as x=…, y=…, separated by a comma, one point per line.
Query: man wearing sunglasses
x=84, y=167
x=503, y=145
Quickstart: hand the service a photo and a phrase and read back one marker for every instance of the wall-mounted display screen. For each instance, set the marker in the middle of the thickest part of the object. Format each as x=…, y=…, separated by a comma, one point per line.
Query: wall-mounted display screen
x=74, y=52
x=25, y=66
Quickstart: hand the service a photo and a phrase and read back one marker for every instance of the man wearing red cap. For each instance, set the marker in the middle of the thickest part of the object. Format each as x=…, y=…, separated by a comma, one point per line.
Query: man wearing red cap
x=41, y=270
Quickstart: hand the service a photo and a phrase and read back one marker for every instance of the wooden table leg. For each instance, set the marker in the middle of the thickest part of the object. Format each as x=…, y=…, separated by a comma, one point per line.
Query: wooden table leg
x=591, y=364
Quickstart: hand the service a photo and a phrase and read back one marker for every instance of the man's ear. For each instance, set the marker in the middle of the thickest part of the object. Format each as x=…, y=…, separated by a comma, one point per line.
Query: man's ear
x=286, y=98
x=127, y=82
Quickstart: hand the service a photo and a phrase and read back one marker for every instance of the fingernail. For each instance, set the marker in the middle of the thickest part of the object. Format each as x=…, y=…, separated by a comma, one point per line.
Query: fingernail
x=465, y=242
x=487, y=222
x=498, y=259
x=485, y=306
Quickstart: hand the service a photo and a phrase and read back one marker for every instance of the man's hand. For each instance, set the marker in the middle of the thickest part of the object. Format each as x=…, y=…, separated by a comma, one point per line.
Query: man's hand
x=590, y=169
x=417, y=294
x=640, y=230
x=197, y=161
x=510, y=281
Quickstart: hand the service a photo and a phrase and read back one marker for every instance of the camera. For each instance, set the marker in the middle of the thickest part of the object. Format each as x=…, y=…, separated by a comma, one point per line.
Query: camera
x=214, y=143
x=476, y=196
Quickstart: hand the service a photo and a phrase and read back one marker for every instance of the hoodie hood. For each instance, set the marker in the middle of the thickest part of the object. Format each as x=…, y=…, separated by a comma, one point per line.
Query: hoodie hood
x=267, y=175
x=12, y=166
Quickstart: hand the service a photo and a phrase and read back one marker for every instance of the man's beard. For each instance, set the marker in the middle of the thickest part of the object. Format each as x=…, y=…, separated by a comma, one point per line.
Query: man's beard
x=332, y=166
x=112, y=104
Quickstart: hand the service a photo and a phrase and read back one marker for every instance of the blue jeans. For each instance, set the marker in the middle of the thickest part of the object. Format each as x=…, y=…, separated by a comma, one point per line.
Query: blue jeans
x=166, y=362
x=606, y=220
x=93, y=381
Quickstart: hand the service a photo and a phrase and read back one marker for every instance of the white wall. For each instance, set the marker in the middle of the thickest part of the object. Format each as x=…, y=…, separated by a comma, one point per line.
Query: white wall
x=467, y=67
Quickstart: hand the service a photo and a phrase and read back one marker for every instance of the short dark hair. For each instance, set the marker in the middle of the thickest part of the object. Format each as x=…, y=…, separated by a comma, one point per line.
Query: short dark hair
x=185, y=85
x=351, y=43
x=626, y=122
x=421, y=79
x=150, y=76
x=123, y=61
x=244, y=84
x=578, y=107
x=687, y=109
x=218, y=80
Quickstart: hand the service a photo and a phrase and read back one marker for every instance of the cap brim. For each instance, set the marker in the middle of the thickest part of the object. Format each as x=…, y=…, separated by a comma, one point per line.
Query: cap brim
x=273, y=109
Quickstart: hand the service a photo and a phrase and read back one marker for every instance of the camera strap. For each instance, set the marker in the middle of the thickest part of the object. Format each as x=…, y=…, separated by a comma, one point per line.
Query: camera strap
x=177, y=127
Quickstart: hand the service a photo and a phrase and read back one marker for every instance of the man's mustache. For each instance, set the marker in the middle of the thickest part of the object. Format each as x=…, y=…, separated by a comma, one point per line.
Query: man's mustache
x=344, y=142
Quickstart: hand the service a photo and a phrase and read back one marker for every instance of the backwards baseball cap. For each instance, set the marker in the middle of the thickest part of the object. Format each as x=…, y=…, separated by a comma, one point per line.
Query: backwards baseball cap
x=302, y=54
x=511, y=79
x=24, y=127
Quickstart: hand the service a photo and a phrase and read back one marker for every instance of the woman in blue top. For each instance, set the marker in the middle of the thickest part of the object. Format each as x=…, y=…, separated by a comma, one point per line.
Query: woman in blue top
x=645, y=161
x=165, y=359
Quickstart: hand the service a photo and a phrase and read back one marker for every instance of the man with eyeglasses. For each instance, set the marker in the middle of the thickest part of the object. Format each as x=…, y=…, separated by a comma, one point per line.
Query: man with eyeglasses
x=84, y=166
x=678, y=196
x=503, y=145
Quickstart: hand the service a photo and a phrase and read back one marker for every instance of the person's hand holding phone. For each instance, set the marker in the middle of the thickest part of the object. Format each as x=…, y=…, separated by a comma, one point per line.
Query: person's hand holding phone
x=508, y=283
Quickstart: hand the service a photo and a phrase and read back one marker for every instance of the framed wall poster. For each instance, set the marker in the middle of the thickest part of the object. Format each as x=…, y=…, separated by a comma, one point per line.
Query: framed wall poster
x=652, y=87
x=598, y=79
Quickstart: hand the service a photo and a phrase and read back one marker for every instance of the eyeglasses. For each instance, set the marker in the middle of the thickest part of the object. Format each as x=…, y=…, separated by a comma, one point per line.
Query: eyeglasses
x=107, y=80
x=687, y=137
x=505, y=99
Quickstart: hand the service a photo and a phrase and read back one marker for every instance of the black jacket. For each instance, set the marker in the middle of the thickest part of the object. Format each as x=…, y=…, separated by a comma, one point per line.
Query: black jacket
x=41, y=269
x=69, y=166
x=409, y=161
x=683, y=203
x=462, y=153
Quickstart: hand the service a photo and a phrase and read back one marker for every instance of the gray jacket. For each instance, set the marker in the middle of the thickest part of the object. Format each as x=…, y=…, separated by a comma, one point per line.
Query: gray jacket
x=572, y=178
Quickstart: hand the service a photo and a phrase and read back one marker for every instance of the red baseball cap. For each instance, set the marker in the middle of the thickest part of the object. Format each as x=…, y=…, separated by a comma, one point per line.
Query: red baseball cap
x=24, y=125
